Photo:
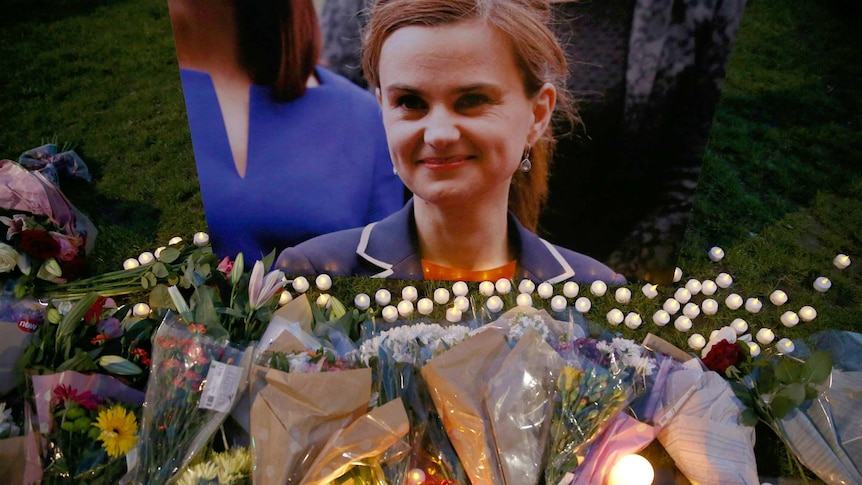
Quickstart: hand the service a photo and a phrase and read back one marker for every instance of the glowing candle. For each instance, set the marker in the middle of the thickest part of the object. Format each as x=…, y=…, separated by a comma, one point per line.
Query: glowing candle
x=461, y=302
x=323, y=282
x=682, y=323
x=807, y=313
x=615, y=317
x=677, y=274
x=785, y=346
x=453, y=315
x=131, y=263
x=486, y=288
x=583, y=304
x=545, y=290
x=201, y=239
x=693, y=286
x=409, y=293
x=789, y=319
x=146, y=257
x=841, y=261
x=671, y=306
x=415, y=477
x=631, y=470
x=753, y=305
x=598, y=288
x=682, y=295
x=571, y=289
x=323, y=300
x=708, y=287
x=174, y=240
x=285, y=297
x=822, y=284
x=739, y=325
x=526, y=286
x=633, y=320
x=503, y=286
x=709, y=306
x=661, y=318
x=723, y=280
x=753, y=349
x=733, y=301
x=778, y=297
x=158, y=252
x=441, y=296
x=524, y=299
x=494, y=304
x=383, y=297
x=300, y=284
x=559, y=303
x=405, y=308
x=425, y=306
x=460, y=288
x=141, y=310
x=623, y=295
x=390, y=313
x=650, y=290
x=716, y=254
x=696, y=342
x=362, y=301
x=765, y=336
x=691, y=310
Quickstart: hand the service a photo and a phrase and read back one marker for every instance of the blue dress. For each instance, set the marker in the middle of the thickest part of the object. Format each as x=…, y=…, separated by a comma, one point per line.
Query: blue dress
x=316, y=164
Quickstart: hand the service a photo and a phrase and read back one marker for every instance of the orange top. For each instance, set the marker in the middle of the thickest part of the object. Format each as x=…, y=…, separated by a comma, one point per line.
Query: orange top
x=432, y=271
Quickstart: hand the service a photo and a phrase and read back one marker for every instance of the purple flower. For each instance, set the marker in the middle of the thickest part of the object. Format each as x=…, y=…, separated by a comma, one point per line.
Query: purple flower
x=111, y=327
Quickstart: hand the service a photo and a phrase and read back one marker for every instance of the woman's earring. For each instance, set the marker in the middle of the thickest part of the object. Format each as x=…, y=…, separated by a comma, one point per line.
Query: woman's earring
x=394, y=170
x=526, y=164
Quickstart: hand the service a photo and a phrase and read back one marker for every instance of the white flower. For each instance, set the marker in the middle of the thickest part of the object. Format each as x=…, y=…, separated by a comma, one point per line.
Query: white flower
x=414, y=344
x=629, y=353
x=261, y=288
x=521, y=322
x=725, y=333
x=8, y=258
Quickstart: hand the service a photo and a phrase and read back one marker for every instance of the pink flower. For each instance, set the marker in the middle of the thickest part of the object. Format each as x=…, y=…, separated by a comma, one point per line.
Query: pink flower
x=225, y=265
x=69, y=246
x=64, y=393
x=15, y=223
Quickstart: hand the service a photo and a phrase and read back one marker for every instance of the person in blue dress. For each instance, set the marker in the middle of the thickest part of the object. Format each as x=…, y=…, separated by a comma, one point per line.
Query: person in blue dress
x=285, y=149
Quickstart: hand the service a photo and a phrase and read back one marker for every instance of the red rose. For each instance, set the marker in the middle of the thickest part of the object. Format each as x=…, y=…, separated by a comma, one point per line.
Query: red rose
x=73, y=269
x=723, y=355
x=39, y=244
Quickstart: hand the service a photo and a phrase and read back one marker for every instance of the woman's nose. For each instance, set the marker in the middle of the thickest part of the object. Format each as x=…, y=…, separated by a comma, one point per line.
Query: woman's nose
x=441, y=128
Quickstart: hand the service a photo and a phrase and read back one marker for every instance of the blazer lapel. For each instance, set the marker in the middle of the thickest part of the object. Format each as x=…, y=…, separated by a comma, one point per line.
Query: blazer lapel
x=390, y=245
x=540, y=260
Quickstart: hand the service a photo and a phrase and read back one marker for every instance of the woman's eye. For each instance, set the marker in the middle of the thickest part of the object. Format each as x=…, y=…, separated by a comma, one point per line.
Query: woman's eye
x=410, y=102
x=472, y=100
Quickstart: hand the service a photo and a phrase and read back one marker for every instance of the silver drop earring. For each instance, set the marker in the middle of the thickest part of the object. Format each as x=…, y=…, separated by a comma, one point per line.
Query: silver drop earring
x=526, y=164
x=394, y=170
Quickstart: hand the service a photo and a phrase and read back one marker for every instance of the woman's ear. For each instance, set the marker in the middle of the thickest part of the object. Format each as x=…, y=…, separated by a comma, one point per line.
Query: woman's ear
x=379, y=96
x=543, y=108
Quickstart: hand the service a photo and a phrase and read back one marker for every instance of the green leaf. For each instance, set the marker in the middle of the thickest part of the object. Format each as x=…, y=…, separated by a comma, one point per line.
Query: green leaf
x=336, y=308
x=160, y=297
x=818, y=367
x=749, y=417
x=169, y=255
x=810, y=392
x=118, y=365
x=788, y=371
x=742, y=393
x=268, y=260
x=766, y=380
x=160, y=270
x=81, y=362
x=145, y=283
x=72, y=320
x=787, y=399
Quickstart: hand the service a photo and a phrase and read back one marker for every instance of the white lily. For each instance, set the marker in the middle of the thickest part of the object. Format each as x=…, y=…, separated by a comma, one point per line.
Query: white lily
x=261, y=288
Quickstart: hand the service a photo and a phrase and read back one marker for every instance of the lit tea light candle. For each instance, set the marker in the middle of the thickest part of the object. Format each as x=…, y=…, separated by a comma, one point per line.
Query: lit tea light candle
x=323, y=282
x=631, y=470
x=691, y=310
x=716, y=254
x=765, y=336
x=733, y=301
x=201, y=239
x=362, y=301
x=545, y=290
x=723, y=280
x=682, y=295
x=583, y=304
x=441, y=296
x=598, y=288
x=709, y=306
x=524, y=299
x=677, y=274
x=650, y=290
x=693, y=286
x=661, y=318
x=753, y=305
x=174, y=240
x=389, y=313
x=841, y=261
x=425, y=306
x=778, y=297
x=822, y=284
x=459, y=288
x=623, y=295
x=739, y=325
x=571, y=289
x=789, y=319
x=696, y=342
x=785, y=346
x=323, y=300
x=383, y=297
x=671, y=306
x=559, y=303
x=486, y=288
x=453, y=315
x=526, y=286
x=807, y=313
x=415, y=477
x=130, y=263
x=494, y=304
x=158, y=252
x=633, y=320
x=708, y=287
x=461, y=302
x=682, y=323
x=284, y=298
x=753, y=349
x=405, y=308
x=146, y=257
x=615, y=317
x=300, y=284
x=503, y=286
x=409, y=293
x=141, y=310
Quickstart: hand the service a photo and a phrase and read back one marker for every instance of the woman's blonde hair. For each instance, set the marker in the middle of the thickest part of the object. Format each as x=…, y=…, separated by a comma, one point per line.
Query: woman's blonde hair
x=537, y=52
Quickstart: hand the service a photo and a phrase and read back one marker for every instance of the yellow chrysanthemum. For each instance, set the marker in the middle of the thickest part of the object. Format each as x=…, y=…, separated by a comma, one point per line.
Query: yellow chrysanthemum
x=118, y=430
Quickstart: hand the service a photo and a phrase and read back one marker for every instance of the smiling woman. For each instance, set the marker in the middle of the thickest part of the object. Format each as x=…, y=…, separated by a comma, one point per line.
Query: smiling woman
x=468, y=91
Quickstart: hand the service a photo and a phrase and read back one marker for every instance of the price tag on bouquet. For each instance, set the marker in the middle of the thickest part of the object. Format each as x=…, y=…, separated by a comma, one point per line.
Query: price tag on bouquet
x=221, y=386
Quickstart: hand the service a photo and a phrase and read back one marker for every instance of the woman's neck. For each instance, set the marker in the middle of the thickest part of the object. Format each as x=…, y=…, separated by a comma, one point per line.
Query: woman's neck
x=469, y=238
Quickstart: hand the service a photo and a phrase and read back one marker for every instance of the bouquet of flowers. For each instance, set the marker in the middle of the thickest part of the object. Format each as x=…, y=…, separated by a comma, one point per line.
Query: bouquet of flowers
x=231, y=467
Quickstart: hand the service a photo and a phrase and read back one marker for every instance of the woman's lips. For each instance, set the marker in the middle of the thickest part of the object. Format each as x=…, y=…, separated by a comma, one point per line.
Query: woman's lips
x=447, y=163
